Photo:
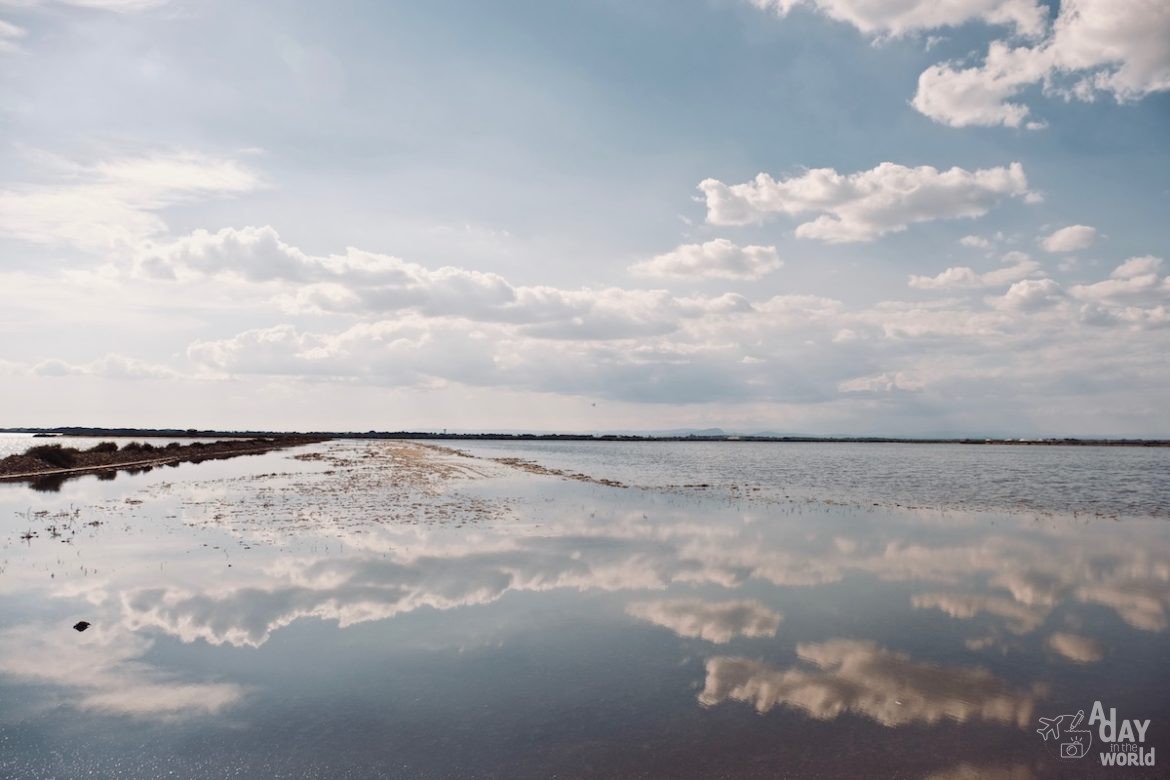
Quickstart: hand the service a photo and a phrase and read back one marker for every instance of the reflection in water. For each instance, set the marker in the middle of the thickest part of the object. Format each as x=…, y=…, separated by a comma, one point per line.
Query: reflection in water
x=101, y=670
x=861, y=678
x=983, y=772
x=718, y=622
x=396, y=590
x=1075, y=647
x=1019, y=618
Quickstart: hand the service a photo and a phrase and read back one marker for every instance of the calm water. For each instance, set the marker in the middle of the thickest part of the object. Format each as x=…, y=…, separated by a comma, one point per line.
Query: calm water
x=374, y=611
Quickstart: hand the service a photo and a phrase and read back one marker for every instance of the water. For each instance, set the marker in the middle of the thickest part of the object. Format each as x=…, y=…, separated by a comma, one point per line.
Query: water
x=1127, y=481
x=375, y=609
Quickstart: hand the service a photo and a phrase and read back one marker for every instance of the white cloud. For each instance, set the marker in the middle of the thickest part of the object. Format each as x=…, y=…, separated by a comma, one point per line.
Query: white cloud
x=113, y=204
x=117, y=6
x=1070, y=239
x=865, y=205
x=1136, y=277
x=361, y=283
x=881, y=383
x=963, y=277
x=716, y=259
x=1031, y=295
x=717, y=622
x=110, y=367
x=9, y=34
x=900, y=17
x=1095, y=47
x=975, y=242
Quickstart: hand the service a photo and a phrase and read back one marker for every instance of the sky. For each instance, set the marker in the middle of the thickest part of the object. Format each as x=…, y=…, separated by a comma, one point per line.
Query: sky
x=872, y=217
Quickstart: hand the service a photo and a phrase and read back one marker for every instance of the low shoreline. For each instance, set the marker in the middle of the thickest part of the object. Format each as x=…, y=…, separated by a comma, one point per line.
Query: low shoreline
x=45, y=460
x=175, y=433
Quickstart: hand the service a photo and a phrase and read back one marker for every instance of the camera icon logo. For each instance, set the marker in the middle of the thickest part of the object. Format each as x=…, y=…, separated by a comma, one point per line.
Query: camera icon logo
x=1076, y=741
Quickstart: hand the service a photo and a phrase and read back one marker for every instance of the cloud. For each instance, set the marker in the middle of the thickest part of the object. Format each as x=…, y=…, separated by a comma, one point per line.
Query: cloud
x=886, y=382
x=1082, y=649
x=717, y=622
x=1070, y=239
x=1030, y=295
x=865, y=205
x=861, y=678
x=960, y=277
x=117, y=6
x=110, y=367
x=975, y=242
x=112, y=205
x=363, y=283
x=717, y=259
x=902, y=17
x=1137, y=277
x=1095, y=47
x=9, y=34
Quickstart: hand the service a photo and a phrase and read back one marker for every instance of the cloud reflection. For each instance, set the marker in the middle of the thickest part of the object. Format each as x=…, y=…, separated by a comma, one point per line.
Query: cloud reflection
x=859, y=677
x=102, y=671
x=717, y=622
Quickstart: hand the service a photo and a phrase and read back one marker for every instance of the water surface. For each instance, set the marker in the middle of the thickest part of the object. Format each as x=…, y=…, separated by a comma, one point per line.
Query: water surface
x=363, y=609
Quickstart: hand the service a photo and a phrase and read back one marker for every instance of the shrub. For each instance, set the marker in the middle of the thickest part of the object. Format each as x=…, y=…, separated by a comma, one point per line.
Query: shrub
x=105, y=446
x=54, y=455
x=139, y=446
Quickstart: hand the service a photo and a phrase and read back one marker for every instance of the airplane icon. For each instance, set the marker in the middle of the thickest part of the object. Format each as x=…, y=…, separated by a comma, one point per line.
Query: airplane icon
x=1050, y=727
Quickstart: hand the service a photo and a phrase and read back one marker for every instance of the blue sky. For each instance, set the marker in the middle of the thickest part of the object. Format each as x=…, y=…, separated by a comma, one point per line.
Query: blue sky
x=546, y=215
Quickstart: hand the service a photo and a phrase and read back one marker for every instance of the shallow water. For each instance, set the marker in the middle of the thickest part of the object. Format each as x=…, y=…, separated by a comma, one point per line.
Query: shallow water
x=383, y=610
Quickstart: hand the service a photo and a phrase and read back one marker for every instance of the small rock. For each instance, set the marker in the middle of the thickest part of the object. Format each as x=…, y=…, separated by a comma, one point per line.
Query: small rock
x=80, y=625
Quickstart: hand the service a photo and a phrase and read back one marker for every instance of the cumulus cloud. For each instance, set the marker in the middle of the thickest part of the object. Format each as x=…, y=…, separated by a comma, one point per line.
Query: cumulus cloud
x=865, y=205
x=651, y=346
x=110, y=366
x=862, y=678
x=1095, y=47
x=717, y=622
x=114, y=204
x=717, y=259
x=964, y=277
x=975, y=242
x=1137, y=277
x=898, y=17
x=365, y=283
x=886, y=382
x=1030, y=295
x=1070, y=239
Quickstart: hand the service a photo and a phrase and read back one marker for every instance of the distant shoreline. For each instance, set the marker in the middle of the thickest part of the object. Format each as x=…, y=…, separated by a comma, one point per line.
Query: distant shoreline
x=50, y=464
x=177, y=433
